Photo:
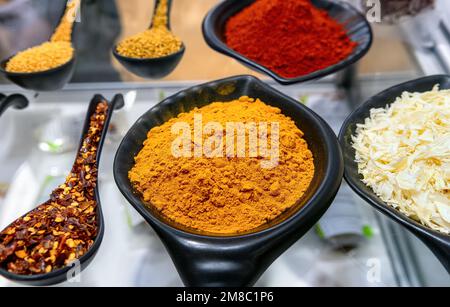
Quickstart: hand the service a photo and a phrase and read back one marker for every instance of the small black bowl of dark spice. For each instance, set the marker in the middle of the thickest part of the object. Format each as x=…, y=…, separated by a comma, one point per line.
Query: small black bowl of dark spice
x=64, y=233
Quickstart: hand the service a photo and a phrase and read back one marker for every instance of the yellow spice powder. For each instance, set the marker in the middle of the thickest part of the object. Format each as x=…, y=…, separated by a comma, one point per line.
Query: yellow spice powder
x=43, y=57
x=156, y=42
x=223, y=195
x=49, y=54
x=160, y=18
x=152, y=43
x=63, y=32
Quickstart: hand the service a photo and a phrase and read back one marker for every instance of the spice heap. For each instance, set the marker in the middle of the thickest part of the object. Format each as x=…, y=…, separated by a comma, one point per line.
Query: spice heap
x=290, y=37
x=48, y=55
x=158, y=41
x=43, y=57
x=64, y=228
x=225, y=194
x=403, y=154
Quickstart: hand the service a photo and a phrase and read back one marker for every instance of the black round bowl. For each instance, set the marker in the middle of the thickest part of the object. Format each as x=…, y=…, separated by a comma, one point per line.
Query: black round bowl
x=355, y=23
x=438, y=243
x=48, y=80
x=153, y=68
x=63, y=274
x=206, y=259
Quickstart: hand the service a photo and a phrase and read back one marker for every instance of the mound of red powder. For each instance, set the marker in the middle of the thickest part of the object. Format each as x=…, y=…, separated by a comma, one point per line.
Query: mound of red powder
x=290, y=37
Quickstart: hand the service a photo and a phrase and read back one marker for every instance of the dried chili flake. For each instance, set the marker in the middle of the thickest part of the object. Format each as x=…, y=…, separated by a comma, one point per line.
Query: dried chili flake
x=65, y=227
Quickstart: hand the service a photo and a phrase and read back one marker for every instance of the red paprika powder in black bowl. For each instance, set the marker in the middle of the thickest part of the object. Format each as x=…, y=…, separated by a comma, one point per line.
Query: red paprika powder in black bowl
x=290, y=40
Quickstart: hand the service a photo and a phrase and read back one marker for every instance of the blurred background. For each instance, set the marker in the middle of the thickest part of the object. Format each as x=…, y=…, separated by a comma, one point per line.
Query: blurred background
x=351, y=246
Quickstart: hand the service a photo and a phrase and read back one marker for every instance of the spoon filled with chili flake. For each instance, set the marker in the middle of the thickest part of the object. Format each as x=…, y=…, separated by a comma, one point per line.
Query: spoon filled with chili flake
x=42, y=247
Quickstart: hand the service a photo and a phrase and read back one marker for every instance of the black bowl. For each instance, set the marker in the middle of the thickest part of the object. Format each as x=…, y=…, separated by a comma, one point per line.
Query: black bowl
x=153, y=68
x=63, y=274
x=354, y=22
x=206, y=259
x=438, y=243
x=48, y=80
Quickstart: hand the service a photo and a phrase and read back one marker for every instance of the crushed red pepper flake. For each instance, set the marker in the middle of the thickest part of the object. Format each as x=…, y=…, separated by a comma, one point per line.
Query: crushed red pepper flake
x=65, y=227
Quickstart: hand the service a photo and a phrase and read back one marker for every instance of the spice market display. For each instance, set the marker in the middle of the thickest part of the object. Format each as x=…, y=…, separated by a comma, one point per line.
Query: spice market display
x=219, y=171
x=64, y=228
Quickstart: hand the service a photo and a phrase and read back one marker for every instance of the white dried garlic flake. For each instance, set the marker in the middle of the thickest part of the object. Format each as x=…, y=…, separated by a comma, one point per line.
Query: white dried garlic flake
x=403, y=154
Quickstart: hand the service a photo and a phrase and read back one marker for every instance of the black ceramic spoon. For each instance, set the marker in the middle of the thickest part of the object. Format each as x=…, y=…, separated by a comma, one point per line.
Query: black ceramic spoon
x=16, y=101
x=438, y=243
x=152, y=68
x=355, y=23
x=204, y=259
x=48, y=80
x=61, y=275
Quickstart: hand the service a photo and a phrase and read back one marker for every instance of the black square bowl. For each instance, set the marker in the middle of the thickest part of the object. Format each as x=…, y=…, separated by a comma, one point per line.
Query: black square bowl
x=358, y=29
x=207, y=259
x=438, y=243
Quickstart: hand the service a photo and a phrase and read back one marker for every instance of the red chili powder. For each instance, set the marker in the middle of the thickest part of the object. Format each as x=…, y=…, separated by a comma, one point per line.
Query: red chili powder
x=290, y=37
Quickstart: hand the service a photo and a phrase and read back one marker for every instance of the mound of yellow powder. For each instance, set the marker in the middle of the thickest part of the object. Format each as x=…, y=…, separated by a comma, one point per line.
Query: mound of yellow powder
x=156, y=42
x=49, y=54
x=152, y=43
x=223, y=195
x=40, y=58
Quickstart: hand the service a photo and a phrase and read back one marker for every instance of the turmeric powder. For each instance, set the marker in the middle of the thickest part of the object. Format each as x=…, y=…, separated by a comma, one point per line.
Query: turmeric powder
x=224, y=194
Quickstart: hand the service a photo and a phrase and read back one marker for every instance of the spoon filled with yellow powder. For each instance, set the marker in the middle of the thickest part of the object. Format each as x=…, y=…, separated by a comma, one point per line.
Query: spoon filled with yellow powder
x=48, y=66
x=154, y=53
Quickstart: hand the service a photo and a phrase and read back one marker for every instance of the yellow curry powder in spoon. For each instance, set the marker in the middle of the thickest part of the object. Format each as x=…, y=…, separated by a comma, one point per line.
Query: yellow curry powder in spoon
x=48, y=55
x=224, y=194
x=158, y=41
